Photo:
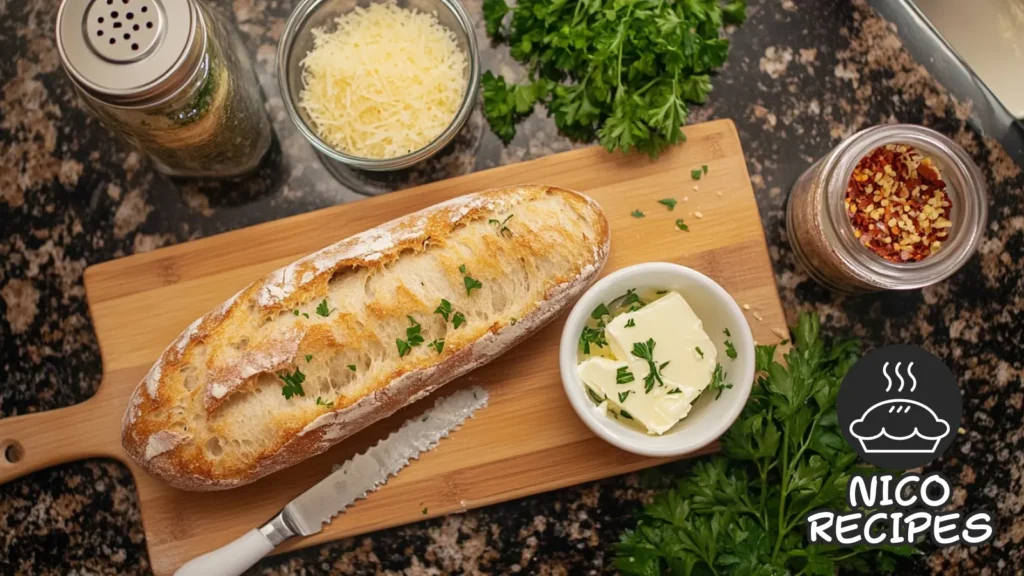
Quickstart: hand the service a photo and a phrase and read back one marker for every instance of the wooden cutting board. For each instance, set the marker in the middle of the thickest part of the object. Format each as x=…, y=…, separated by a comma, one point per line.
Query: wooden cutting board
x=528, y=440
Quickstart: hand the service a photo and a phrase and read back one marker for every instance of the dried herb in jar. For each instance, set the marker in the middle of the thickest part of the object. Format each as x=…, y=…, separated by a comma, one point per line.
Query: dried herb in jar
x=897, y=204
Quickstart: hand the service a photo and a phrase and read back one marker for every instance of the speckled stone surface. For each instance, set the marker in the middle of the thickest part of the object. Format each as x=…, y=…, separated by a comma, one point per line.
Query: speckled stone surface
x=801, y=77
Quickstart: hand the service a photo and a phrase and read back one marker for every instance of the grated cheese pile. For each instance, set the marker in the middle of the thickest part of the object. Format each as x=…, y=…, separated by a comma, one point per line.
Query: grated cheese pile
x=385, y=82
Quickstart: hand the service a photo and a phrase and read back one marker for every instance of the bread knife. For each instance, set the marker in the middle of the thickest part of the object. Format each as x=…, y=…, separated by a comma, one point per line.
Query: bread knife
x=310, y=511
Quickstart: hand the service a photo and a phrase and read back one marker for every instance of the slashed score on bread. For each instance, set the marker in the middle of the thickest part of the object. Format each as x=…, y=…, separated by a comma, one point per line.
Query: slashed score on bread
x=316, y=351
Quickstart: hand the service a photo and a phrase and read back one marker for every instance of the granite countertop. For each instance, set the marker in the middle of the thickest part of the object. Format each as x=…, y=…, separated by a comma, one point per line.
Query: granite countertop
x=801, y=77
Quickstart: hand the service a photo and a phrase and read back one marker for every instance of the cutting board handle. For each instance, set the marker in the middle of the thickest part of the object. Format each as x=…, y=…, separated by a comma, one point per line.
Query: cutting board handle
x=35, y=441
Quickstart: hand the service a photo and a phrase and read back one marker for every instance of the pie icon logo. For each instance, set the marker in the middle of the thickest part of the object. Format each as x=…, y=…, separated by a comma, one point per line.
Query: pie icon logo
x=899, y=407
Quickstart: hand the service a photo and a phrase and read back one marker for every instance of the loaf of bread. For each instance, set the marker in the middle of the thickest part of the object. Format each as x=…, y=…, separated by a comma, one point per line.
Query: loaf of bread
x=300, y=360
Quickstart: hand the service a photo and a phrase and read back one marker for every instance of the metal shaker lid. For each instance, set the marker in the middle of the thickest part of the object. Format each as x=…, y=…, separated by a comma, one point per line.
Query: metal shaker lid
x=130, y=52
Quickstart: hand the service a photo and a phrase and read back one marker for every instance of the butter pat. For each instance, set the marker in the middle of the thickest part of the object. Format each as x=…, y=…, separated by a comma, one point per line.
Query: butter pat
x=680, y=341
x=657, y=411
x=678, y=335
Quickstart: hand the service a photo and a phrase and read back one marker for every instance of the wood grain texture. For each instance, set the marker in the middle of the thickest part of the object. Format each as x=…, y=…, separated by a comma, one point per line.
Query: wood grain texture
x=528, y=440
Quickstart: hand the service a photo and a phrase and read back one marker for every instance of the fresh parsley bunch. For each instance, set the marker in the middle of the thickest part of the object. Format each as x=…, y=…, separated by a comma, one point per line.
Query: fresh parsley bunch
x=619, y=70
x=743, y=513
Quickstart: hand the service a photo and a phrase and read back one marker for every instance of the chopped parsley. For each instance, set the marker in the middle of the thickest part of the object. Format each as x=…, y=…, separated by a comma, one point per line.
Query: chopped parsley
x=699, y=351
x=637, y=214
x=458, y=319
x=630, y=323
x=444, y=309
x=502, y=228
x=600, y=312
x=682, y=225
x=718, y=383
x=670, y=203
x=351, y=367
x=425, y=510
x=594, y=396
x=437, y=344
x=727, y=333
x=308, y=358
x=625, y=414
x=323, y=310
x=412, y=338
x=675, y=391
x=292, y=383
x=630, y=299
x=470, y=282
x=320, y=402
x=704, y=168
x=730, y=350
x=645, y=351
x=696, y=174
x=623, y=396
x=593, y=336
x=296, y=311
x=623, y=376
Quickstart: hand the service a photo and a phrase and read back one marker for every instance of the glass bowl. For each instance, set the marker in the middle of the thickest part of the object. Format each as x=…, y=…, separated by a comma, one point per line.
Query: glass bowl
x=297, y=40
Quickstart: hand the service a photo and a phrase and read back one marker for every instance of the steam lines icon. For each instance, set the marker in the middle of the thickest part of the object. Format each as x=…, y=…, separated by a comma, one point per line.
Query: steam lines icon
x=899, y=425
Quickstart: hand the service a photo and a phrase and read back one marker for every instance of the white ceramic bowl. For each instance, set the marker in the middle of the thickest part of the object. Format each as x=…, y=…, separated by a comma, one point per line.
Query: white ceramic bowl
x=709, y=418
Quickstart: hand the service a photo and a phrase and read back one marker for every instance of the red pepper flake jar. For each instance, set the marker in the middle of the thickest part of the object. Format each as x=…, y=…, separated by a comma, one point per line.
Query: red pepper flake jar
x=848, y=241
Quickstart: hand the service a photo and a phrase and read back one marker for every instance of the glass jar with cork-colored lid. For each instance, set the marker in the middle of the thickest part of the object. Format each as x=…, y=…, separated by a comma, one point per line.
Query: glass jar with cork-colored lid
x=172, y=78
x=894, y=207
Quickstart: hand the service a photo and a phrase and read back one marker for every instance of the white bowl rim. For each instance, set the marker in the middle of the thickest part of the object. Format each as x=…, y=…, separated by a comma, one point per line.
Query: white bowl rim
x=610, y=430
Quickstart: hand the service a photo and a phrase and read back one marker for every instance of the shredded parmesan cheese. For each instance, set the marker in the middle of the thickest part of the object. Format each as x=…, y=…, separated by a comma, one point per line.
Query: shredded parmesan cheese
x=384, y=82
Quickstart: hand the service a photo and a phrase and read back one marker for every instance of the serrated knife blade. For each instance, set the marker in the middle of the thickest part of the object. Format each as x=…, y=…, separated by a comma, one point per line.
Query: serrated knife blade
x=355, y=479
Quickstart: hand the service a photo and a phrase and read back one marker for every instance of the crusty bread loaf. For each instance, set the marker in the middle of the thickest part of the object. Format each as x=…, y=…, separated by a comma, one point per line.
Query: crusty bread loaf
x=212, y=412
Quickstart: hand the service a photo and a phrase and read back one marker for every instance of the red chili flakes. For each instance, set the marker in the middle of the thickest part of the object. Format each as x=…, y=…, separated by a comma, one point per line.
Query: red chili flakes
x=898, y=205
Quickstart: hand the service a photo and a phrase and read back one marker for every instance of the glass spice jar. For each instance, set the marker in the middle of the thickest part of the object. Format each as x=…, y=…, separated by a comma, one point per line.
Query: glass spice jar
x=823, y=237
x=172, y=78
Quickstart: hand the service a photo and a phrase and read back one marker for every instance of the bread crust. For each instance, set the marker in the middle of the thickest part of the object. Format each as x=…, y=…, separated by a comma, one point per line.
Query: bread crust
x=156, y=432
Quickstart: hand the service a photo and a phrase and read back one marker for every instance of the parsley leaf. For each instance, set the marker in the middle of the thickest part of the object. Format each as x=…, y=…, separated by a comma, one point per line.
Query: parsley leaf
x=501, y=224
x=670, y=203
x=458, y=319
x=645, y=351
x=630, y=323
x=623, y=375
x=743, y=512
x=323, y=310
x=682, y=225
x=308, y=358
x=351, y=367
x=594, y=396
x=494, y=12
x=623, y=396
x=625, y=414
x=637, y=214
x=696, y=174
x=505, y=105
x=593, y=336
x=730, y=350
x=437, y=344
x=292, y=383
x=718, y=383
x=444, y=309
x=470, y=282
x=600, y=312
x=412, y=338
x=320, y=402
x=699, y=351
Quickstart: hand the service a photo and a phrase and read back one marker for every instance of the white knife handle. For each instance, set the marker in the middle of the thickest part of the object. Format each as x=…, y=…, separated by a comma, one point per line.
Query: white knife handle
x=231, y=559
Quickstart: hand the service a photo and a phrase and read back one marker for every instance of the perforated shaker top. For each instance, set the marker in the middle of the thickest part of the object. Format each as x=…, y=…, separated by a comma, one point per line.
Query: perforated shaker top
x=123, y=51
